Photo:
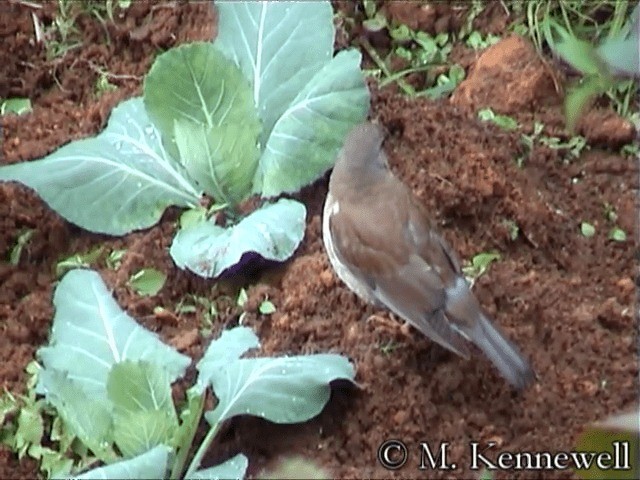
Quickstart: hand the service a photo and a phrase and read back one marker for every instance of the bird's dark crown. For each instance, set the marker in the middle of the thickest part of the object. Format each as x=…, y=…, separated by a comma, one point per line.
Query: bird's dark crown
x=361, y=157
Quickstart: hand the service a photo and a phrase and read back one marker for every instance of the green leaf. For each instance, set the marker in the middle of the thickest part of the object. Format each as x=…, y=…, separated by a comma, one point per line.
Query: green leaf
x=621, y=56
x=479, y=264
x=19, y=106
x=32, y=370
x=235, y=467
x=9, y=405
x=580, y=54
x=226, y=349
x=21, y=242
x=375, y=23
x=486, y=114
x=503, y=121
x=184, y=434
x=61, y=433
x=91, y=333
x=52, y=462
x=281, y=390
x=306, y=138
x=370, y=7
x=88, y=417
x=242, y=298
x=445, y=84
x=138, y=432
x=475, y=40
x=428, y=45
x=267, y=308
x=148, y=281
x=203, y=106
x=140, y=386
x=485, y=474
x=78, y=260
x=483, y=260
x=222, y=158
x=297, y=467
x=401, y=33
x=587, y=229
x=273, y=232
x=279, y=46
x=404, y=53
x=306, y=100
x=456, y=73
x=437, y=91
x=195, y=82
x=229, y=347
x=573, y=146
x=621, y=53
x=616, y=434
x=30, y=428
x=151, y=464
x=103, y=85
x=617, y=234
x=114, y=259
x=120, y=181
x=514, y=229
x=578, y=97
x=193, y=216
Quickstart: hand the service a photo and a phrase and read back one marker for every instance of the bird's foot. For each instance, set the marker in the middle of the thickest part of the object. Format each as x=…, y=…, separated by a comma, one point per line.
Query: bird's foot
x=389, y=323
x=382, y=321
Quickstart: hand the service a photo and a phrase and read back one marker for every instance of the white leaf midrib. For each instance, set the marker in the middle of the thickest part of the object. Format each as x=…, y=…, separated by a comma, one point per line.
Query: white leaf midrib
x=259, y=48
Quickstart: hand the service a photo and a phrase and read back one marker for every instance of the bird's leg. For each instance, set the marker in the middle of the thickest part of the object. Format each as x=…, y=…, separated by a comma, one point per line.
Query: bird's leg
x=389, y=322
x=382, y=320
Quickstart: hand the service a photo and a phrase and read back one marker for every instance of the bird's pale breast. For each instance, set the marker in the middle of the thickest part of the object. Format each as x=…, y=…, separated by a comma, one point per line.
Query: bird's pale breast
x=331, y=208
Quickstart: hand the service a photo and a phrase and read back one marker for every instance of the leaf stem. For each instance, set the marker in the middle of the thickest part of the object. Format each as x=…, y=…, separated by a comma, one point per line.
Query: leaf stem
x=185, y=445
x=408, y=89
x=204, y=446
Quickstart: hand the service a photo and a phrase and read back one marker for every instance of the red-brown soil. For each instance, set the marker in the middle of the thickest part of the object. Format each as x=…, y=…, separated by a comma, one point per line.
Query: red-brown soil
x=567, y=300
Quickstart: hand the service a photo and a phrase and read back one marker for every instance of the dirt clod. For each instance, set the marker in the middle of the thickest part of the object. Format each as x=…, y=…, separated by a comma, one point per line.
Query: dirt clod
x=509, y=77
x=606, y=128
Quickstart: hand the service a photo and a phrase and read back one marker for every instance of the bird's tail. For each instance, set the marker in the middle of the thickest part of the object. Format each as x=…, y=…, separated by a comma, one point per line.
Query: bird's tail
x=502, y=353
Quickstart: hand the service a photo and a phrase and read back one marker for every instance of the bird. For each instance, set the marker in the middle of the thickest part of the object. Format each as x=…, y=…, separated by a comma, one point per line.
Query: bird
x=381, y=243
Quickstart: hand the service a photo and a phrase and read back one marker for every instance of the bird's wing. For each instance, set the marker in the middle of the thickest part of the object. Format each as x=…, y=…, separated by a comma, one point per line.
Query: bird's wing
x=431, y=247
x=379, y=251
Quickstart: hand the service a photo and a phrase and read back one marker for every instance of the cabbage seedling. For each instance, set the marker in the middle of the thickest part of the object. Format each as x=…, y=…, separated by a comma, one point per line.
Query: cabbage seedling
x=262, y=110
x=109, y=380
